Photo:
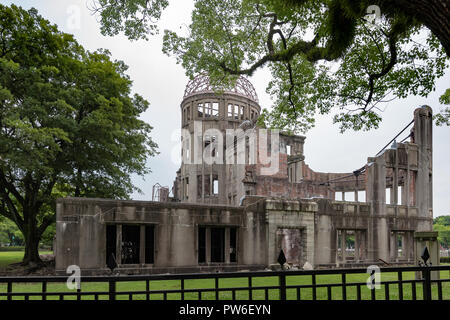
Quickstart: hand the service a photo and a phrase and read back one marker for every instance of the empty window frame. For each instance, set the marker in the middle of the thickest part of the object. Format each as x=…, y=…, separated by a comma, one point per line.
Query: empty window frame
x=362, y=196
x=350, y=243
x=200, y=111
x=288, y=150
x=388, y=195
x=349, y=196
x=131, y=238
x=130, y=248
x=186, y=188
x=201, y=245
x=207, y=184
x=400, y=251
x=230, y=110
x=216, y=244
x=207, y=141
x=215, y=185
x=215, y=109
x=208, y=109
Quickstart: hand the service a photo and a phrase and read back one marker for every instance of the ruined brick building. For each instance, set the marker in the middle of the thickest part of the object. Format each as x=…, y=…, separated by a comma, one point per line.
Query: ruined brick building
x=242, y=194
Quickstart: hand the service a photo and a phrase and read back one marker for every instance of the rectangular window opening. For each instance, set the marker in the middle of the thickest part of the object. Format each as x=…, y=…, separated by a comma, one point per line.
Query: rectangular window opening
x=215, y=109
x=131, y=238
x=215, y=185
x=217, y=244
x=350, y=196
x=400, y=244
x=362, y=196
x=230, y=110
x=208, y=110
x=200, y=110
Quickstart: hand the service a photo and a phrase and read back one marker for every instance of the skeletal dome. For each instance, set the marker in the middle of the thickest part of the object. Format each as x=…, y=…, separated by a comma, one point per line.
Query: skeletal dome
x=201, y=84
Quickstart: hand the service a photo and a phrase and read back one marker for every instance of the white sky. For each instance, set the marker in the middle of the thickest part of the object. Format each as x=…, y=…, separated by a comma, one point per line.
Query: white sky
x=161, y=81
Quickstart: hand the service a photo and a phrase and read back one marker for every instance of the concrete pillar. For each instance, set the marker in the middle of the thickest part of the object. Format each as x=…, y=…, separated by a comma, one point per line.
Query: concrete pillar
x=227, y=245
x=119, y=244
x=423, y=126
x=208, y=245
x=357, y=239
x=378, y=242
x=142, y=244
x=343, y=245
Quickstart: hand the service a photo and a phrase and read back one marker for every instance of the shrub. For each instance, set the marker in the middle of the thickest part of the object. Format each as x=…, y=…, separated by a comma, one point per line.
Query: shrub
x=12, y=248
x=445, y=260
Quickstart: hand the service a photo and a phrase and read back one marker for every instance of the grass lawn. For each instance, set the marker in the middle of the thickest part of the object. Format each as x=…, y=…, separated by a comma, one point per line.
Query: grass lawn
x=258, y=294
x=8, y=257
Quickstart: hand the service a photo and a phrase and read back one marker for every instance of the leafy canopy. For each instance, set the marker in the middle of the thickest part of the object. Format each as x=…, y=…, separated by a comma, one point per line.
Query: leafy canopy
x=69, y=124
x=325, y=56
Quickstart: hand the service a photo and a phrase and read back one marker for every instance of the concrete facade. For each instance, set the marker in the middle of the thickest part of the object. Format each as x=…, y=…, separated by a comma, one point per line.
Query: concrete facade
x=233, y=216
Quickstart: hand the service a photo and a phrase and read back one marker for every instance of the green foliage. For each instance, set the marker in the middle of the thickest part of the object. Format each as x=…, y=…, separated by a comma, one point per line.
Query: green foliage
x=442, y=225
x=133, y=17
x=443, y=117
x=443, y=220
x=12, y=249
x=325, y=56
x=69, y=125
x=48, y=236
x=9, y=233
x=444, y=260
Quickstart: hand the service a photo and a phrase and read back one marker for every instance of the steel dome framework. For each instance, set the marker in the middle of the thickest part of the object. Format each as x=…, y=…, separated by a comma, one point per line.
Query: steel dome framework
x=202, y=84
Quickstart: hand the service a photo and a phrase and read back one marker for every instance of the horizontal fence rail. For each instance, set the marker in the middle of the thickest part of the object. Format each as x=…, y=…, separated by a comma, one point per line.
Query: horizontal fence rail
x=396, y=283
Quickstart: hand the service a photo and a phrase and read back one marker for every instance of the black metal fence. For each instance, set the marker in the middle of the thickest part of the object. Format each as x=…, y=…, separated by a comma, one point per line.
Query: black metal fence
x=399, y=283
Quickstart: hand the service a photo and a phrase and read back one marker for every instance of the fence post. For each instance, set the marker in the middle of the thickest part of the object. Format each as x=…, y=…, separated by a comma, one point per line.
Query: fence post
x=282, y=280
x=426, y=274
x=9, y=290
x=112, y=290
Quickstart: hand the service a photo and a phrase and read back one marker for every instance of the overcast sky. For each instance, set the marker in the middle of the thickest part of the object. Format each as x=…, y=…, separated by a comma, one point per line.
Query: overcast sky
x=161, y=81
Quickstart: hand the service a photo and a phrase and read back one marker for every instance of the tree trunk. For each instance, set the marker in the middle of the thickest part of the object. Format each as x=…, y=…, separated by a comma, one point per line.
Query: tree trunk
x=434, y=14
x=32, y=238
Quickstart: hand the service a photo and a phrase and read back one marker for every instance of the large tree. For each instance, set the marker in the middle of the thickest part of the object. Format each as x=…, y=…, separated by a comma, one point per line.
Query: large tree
x=325, y=56
x=68, y=123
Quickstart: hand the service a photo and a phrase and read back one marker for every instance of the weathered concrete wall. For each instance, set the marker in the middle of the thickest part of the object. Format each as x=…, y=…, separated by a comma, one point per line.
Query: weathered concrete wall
x=81, y=231
x=260, y=222
x=281, y=214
